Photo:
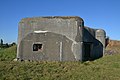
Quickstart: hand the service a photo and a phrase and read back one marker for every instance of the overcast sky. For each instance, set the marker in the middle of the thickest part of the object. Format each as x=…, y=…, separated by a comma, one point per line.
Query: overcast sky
x=104, y=14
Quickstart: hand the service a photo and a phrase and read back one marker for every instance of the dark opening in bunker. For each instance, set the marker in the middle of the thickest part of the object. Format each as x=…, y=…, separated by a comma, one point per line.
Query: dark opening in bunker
x=87, y=51
x=37, y=47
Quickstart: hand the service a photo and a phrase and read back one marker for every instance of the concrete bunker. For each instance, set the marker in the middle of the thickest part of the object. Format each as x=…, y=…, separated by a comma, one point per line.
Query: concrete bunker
x=59, y=38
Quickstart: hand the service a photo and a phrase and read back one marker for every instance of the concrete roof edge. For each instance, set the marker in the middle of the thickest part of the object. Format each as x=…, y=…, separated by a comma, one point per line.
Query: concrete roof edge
x=52, y=17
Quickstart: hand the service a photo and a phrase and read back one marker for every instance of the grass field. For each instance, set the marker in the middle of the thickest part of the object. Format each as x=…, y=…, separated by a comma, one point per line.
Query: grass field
x=106, y=68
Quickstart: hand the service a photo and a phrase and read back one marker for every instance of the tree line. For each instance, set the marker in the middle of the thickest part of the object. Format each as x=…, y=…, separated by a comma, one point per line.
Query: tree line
x=6, y=45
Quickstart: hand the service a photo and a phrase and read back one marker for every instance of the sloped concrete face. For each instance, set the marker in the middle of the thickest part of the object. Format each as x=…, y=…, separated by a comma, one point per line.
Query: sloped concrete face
x=96, y=46
x=57, y=39
x=53, y=47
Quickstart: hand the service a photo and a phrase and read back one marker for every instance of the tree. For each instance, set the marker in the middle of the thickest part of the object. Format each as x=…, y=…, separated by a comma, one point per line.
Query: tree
x=12, y=44
x=6, y=45
x=1, y=42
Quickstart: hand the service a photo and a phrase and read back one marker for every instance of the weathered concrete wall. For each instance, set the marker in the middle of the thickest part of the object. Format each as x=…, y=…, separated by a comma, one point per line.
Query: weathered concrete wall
x=62, y=39
x=97, y=43
x=101, y=36
x=51, y=47
x=65, y=27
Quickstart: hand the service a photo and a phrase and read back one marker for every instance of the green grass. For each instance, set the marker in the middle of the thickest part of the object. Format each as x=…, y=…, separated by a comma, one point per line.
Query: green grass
x=106, y=68
x=8, y=54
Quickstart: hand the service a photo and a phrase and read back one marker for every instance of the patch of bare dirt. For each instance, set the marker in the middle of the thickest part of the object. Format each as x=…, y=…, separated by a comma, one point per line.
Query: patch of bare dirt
x=113, y=47
x=113, y=43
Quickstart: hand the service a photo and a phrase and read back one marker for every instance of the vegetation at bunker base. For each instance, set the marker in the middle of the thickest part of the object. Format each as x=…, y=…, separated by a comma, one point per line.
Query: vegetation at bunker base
x=106, y=68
